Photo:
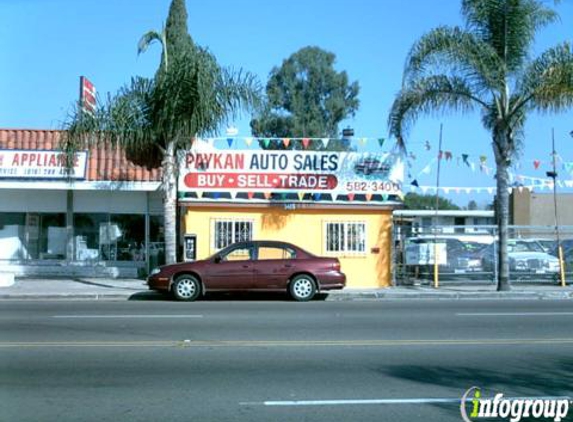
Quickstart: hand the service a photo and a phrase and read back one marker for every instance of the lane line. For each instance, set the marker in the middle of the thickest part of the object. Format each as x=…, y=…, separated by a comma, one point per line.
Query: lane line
x=347, y=402
x=478, y=314
x=123, y=316
x=285, y=344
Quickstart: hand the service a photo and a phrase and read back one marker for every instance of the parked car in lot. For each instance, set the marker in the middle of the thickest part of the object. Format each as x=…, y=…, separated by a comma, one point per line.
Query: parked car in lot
x=251, y=266
x=455, y=257
x=527, y=258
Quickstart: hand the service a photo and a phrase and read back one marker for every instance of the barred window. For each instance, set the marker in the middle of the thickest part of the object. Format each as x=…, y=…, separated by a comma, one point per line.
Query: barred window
x=227, y=232
x=346, y=237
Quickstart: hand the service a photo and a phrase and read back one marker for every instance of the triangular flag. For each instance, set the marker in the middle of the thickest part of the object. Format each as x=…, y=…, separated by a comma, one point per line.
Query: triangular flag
x=283, y=196
x=325, y=142
x=381, y=142
x=266, y=142
x=230, y=142
x=250, y=195
x=427, y=146
x=233, y=194
x=305, y=142
x=363, y=141
x=300, y=196
x=448, y=155
x=216, y=195
x=268, y=195
x=316, y=196
x=465, y=158
x=199, y=194
x=415, y=183
x=536, y=164
x=482, y=159
x=248, y=141
x=490, y=190
x=286, y=142
x=384, y=197
x=427, y=170
x=350, y=196
x=368, y=197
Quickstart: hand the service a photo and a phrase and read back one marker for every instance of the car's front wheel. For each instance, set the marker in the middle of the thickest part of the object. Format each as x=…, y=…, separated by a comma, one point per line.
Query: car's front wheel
x=186, y=287
x=302, y=288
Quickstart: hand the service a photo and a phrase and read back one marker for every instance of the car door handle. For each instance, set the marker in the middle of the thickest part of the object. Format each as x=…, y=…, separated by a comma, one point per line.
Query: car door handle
x=246, y=266
x=289, y=265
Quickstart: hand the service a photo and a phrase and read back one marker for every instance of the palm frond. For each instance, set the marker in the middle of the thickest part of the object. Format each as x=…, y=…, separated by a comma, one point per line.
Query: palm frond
x=456, y=51
x=147, y=39
x=547, y=84
x=434, y=94
x=509, y=26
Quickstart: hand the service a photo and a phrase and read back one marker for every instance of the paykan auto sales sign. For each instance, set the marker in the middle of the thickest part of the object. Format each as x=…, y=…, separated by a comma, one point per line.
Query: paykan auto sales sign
x=292, y=171
x=40, y=164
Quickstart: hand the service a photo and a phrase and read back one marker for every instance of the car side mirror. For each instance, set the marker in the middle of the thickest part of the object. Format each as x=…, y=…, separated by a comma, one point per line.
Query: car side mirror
x=217, y=259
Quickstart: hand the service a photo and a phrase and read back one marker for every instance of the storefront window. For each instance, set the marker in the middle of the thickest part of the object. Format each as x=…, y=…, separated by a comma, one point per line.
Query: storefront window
x=12, y=235
x=106, y=237
x=47, y=236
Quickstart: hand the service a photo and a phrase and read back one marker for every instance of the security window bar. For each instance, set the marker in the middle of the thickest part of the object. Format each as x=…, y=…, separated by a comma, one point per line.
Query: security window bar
x=346, y=237
x=227, y=232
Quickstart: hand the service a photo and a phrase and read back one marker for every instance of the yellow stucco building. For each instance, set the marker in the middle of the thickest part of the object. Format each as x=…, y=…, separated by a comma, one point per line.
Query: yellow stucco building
x=359, y=235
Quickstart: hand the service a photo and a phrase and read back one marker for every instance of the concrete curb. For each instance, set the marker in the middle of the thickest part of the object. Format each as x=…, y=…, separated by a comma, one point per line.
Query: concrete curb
x=375, y=295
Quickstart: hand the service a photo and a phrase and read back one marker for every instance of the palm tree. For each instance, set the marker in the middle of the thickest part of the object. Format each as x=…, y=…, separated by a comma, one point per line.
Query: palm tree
x=154, y=120
x=486, y=66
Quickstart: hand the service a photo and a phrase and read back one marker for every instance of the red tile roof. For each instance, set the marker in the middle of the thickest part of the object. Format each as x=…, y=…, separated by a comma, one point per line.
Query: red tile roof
x=105, y=163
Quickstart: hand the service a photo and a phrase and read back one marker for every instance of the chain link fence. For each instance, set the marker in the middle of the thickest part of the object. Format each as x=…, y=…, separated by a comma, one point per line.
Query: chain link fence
x=469, y=254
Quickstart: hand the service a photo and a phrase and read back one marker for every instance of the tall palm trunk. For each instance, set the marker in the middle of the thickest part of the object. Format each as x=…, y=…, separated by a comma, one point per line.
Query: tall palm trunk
x=170, y=203
x=502, y=214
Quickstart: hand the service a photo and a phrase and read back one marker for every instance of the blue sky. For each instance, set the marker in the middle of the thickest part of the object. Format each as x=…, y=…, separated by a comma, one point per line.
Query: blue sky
x=48, y=44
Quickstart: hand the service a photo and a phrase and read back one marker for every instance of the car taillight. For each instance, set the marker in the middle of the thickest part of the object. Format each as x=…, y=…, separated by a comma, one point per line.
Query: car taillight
x=336, y=265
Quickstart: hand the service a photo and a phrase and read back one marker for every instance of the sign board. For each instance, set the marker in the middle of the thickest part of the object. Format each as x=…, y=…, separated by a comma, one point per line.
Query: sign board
x=291, y=171
x=87, y=95
x=40, y=164
x=424, y=253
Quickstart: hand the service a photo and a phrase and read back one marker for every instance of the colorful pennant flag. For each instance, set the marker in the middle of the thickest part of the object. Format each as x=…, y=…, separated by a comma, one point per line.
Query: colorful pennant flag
x=286, y=142
x=381, y=142
x=305, y=142
x=230, y=142
x=536, y=164
x=248, y=141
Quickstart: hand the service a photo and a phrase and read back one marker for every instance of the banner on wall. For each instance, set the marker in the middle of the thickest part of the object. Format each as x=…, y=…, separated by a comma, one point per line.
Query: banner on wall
x=40, y=164
x=339, y=173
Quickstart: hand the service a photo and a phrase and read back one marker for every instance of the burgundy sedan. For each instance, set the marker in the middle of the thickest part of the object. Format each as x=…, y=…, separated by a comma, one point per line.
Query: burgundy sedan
x=256, y=265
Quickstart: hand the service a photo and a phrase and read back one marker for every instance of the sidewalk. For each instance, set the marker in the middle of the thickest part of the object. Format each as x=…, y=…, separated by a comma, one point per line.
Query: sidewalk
x=135, y=289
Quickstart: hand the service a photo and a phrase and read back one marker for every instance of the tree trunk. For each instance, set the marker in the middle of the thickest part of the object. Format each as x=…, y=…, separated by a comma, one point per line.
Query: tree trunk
x=170, y=203
x=502, y=216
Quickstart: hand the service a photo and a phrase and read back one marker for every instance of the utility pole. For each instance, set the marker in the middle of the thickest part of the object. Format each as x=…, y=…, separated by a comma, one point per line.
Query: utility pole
x=553, y=175
x=436, y=252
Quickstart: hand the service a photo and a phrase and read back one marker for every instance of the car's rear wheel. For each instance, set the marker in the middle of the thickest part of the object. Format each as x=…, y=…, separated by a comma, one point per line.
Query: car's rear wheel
x=302, y=288
x=186, y=287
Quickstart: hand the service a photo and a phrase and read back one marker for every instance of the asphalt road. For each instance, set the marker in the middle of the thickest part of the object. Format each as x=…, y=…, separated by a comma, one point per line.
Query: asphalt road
x=241, y=360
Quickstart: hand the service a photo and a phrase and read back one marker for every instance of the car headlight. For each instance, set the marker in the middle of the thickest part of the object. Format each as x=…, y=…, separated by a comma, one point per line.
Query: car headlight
x=155, y=271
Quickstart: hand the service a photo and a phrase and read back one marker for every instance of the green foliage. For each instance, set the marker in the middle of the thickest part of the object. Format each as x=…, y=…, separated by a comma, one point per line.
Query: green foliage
x=306, y=97
x=414, y=201
x=190, y=97
x=486, y=66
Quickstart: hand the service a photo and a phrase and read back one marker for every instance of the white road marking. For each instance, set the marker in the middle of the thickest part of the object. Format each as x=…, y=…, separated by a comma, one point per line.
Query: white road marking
x=276, y=403
x=125, y=316
x=478, y=314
